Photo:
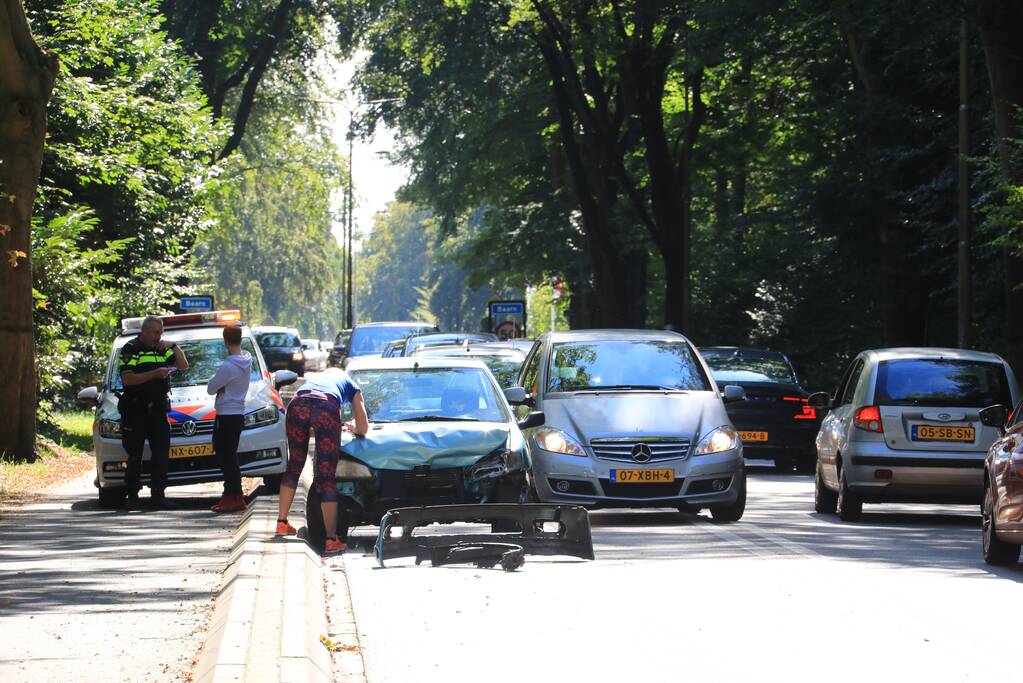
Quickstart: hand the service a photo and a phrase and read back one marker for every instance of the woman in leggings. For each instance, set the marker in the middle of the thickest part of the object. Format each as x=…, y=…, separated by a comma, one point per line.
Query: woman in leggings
x=316, y=407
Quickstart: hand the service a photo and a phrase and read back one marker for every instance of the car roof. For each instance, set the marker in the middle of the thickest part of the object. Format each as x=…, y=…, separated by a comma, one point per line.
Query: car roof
x=910, y=352
x=477, y=349
x=187, y=333
x=411, y=323
x=613, y=335
x=410, y=363
x=743, y=351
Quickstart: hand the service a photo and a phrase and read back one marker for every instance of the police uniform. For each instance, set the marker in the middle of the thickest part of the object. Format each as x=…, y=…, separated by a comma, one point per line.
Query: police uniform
x=144, y=409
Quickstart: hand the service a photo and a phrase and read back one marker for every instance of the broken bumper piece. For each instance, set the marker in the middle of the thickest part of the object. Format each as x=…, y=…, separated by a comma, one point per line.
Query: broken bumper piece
x=541, y=529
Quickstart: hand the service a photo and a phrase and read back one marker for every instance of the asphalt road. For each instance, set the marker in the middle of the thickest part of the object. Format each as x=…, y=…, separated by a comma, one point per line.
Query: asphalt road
x=88, y=594
x=783, y=595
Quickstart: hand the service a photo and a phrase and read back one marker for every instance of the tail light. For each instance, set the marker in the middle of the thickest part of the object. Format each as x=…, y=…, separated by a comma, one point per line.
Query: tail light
x=869, y=418
x=808, y=413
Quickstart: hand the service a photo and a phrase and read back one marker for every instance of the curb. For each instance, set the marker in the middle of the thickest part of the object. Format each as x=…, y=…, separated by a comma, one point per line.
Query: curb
x=270, y=612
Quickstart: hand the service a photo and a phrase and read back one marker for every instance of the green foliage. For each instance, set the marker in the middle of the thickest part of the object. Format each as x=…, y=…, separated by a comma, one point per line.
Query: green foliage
x=269, y=249
x=74, y=302
x=539, y=302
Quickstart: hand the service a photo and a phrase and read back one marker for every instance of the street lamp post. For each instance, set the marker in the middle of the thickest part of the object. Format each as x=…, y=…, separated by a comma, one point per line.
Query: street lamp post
x=349, y=265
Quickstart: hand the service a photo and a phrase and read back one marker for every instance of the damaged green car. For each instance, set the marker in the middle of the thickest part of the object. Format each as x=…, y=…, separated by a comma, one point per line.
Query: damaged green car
x=441, y=433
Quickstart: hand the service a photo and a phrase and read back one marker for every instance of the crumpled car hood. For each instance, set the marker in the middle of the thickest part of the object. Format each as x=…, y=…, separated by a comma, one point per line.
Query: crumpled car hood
x=402, y=446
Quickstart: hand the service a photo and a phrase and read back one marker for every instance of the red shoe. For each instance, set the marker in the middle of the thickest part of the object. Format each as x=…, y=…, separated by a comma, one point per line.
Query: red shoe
x=230, y=503
x=285, y=529
x=334, y=546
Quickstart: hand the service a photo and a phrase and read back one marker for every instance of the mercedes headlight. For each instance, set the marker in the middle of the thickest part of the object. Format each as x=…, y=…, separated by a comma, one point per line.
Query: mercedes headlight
x=717, y=441
x=557, y=441
x=110, y=429
x=267, y=415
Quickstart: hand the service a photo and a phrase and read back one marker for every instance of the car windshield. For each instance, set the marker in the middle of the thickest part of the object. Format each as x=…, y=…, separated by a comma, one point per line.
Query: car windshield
x=372, y=340
x=944, y=383
x=464, y=394
x=625, y=364
x=731, y=368
x=204, y=356
x=273, y=340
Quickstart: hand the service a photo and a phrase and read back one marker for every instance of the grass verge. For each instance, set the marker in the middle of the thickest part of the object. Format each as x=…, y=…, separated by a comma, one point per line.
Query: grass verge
x=64, y=454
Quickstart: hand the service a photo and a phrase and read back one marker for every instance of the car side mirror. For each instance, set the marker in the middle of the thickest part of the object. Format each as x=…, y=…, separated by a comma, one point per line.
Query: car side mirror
x=515, y=395
x=821, y=399
x=535, y=419
x=994, y=416
x=733, y=393
x=283, y=378
x=88, y=396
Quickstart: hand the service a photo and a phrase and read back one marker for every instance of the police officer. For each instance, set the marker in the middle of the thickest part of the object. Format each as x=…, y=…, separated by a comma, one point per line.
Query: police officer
x=145, y=364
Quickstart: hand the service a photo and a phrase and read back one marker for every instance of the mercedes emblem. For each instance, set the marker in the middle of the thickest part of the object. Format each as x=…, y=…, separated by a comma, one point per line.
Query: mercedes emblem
x=641, y=453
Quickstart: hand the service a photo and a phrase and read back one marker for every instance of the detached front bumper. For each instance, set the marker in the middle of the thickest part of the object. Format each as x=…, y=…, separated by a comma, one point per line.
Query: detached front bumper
x=700, y=481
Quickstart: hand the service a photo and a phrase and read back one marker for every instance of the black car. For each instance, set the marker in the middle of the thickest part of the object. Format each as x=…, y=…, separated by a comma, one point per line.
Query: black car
x=775, y=422
x=281, y=348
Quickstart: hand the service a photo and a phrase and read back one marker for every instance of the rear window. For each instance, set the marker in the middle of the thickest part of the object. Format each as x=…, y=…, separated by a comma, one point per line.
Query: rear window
x=373, y=340
x=944, y=383
x=732, y=368
x=272, y=340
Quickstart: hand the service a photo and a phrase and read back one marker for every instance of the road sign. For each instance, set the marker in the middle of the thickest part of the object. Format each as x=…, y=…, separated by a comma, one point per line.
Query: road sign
x=195, y=304
x=507, y=318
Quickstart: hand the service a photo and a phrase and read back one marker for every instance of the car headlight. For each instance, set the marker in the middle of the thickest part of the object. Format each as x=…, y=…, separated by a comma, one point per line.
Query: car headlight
x=297, y=356
x=557, y=441
x=110, y=429
x=717, y=441
x=266, y=415
x=351, y=469
x=494, y=466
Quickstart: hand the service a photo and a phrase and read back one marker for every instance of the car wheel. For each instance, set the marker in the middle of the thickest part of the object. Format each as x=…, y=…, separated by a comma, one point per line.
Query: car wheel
x=732, y=512
x=850, y=506
x=996, y=551
x=316, y=532
x=112, y=497
x=825, y=501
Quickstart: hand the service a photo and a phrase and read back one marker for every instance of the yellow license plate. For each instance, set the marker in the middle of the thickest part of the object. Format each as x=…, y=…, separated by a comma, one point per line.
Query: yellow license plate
x=642, y=476
x=753, y=436
x=934, y=433
x=196, y=450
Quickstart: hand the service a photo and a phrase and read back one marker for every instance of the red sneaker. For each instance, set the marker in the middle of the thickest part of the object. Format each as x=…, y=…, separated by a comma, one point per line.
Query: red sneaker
x=334, y=546
x=285, y=529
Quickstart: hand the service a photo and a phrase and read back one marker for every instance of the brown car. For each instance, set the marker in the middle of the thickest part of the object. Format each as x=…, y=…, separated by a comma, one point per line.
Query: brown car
x=1002, y=509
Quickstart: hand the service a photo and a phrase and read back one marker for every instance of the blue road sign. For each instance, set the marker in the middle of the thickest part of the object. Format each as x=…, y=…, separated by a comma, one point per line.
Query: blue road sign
x=196, y=303
x=508, y=308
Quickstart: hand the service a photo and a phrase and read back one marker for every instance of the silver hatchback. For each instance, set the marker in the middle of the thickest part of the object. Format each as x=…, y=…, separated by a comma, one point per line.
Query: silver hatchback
x=905, y=426
x=633, y=419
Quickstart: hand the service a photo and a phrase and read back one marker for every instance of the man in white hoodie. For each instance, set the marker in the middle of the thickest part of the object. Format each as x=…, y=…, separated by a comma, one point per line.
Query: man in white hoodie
x=231, y=385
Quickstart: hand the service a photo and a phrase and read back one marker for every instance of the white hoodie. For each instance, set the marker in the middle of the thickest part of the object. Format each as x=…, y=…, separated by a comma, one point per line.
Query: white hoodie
x=231, y=384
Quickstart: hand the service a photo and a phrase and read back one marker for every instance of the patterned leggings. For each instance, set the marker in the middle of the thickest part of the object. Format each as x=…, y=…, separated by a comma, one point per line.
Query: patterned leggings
x=323, y=417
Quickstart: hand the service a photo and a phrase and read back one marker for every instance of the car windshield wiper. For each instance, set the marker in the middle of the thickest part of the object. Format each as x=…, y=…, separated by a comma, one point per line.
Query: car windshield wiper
x=641, y=387
x=432, y=418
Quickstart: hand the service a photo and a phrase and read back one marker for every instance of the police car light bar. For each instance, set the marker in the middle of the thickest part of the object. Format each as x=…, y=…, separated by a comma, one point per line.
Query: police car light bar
x=130, y=325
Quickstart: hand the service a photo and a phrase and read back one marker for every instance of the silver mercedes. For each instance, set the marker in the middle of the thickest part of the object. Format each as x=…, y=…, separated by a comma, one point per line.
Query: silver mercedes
x=633, y=419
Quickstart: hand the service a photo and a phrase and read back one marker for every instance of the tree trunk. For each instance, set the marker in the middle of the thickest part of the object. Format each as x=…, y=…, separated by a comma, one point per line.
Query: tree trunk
x=1000, y=22
x=27, y=74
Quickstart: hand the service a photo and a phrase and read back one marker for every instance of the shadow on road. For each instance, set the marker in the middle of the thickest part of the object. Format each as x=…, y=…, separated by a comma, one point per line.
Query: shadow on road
x=72, y=555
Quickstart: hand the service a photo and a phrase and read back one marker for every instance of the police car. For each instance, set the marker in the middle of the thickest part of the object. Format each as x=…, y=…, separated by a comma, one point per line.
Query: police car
x=263, y=449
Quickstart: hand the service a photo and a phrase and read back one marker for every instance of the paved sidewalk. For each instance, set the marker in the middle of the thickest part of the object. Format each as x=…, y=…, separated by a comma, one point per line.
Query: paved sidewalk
x=88, y=594
x=271, y=615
